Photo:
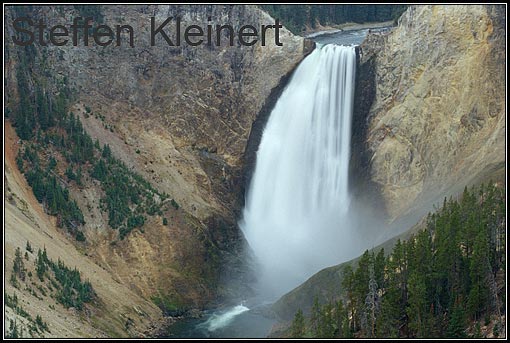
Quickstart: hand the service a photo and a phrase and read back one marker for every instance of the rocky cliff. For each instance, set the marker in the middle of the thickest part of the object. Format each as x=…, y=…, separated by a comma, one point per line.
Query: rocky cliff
x=181, y=118
x=429, y=119
x=436, y=119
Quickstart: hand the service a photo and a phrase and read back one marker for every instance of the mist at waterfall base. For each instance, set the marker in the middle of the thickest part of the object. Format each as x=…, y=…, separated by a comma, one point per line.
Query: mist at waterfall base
x=297, y=218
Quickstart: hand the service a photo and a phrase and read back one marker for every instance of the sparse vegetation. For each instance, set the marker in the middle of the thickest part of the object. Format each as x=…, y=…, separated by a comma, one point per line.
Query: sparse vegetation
x=71, y=291
x=55, y=198
x=14, y=331
x=127, y=195
x=41, y=324
x=38, y=325
x=11, y=301
x=52, y=137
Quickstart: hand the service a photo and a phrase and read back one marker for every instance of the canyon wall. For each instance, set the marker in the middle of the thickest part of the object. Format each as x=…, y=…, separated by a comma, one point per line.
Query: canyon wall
x=180, y=117
x=436, y=85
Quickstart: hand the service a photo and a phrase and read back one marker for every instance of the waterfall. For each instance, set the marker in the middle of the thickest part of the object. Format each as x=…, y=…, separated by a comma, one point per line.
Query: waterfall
x=296, y=217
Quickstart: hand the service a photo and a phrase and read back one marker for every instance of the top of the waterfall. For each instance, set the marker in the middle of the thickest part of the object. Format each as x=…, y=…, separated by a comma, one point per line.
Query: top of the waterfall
x=322, y=45
x=346, y=37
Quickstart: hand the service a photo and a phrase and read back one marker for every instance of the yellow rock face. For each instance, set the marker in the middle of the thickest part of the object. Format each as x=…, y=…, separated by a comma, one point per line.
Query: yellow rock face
x=437, y=122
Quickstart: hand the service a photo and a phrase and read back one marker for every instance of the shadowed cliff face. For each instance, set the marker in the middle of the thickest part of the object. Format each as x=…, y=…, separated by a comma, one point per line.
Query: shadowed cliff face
x=179, y=116
x=436, y=89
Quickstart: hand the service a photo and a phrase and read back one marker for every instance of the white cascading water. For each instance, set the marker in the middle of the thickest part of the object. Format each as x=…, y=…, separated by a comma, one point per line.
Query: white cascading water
x=296, y=214
x=221, y=320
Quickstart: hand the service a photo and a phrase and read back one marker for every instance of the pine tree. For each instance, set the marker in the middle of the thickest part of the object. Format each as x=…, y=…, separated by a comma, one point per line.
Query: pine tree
x=78, y=177
x=14, y=281
x=388, y=321
x=19, y=266
x=348, y=286
x=457, y=323
x=13, y=333
x=40, y=267
x=371, y=304
x=69, y=173
x=326, y=324
x=341, y=320
x=29, y=247
x=19, y=163
x=314, y=317
x=417, y=310
x=361, y=289
x=478, y=331
x=479, y=271
x=298, y=329
x=107, y=152
x=99, y=171
x=379, y=268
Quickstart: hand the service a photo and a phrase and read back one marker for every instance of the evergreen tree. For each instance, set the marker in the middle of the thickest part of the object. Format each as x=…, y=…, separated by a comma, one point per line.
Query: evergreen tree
x=14, y=332
x=361, y=289
x=371, y=304
x=40, y=265
x=29, y=247
x=457, y=323
x=19, y=266
x=379, y=268
x=298, y=329
x=78, y=177
x=100, y=170
x=19, y=163
x=341, y=321
x=107, y=152
x=314, y=318
x=326, y=322
x=479, y=271
x=69, y=173
x=417, y=309
x=348, y=286
x=478, y=331
x=389, y=319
